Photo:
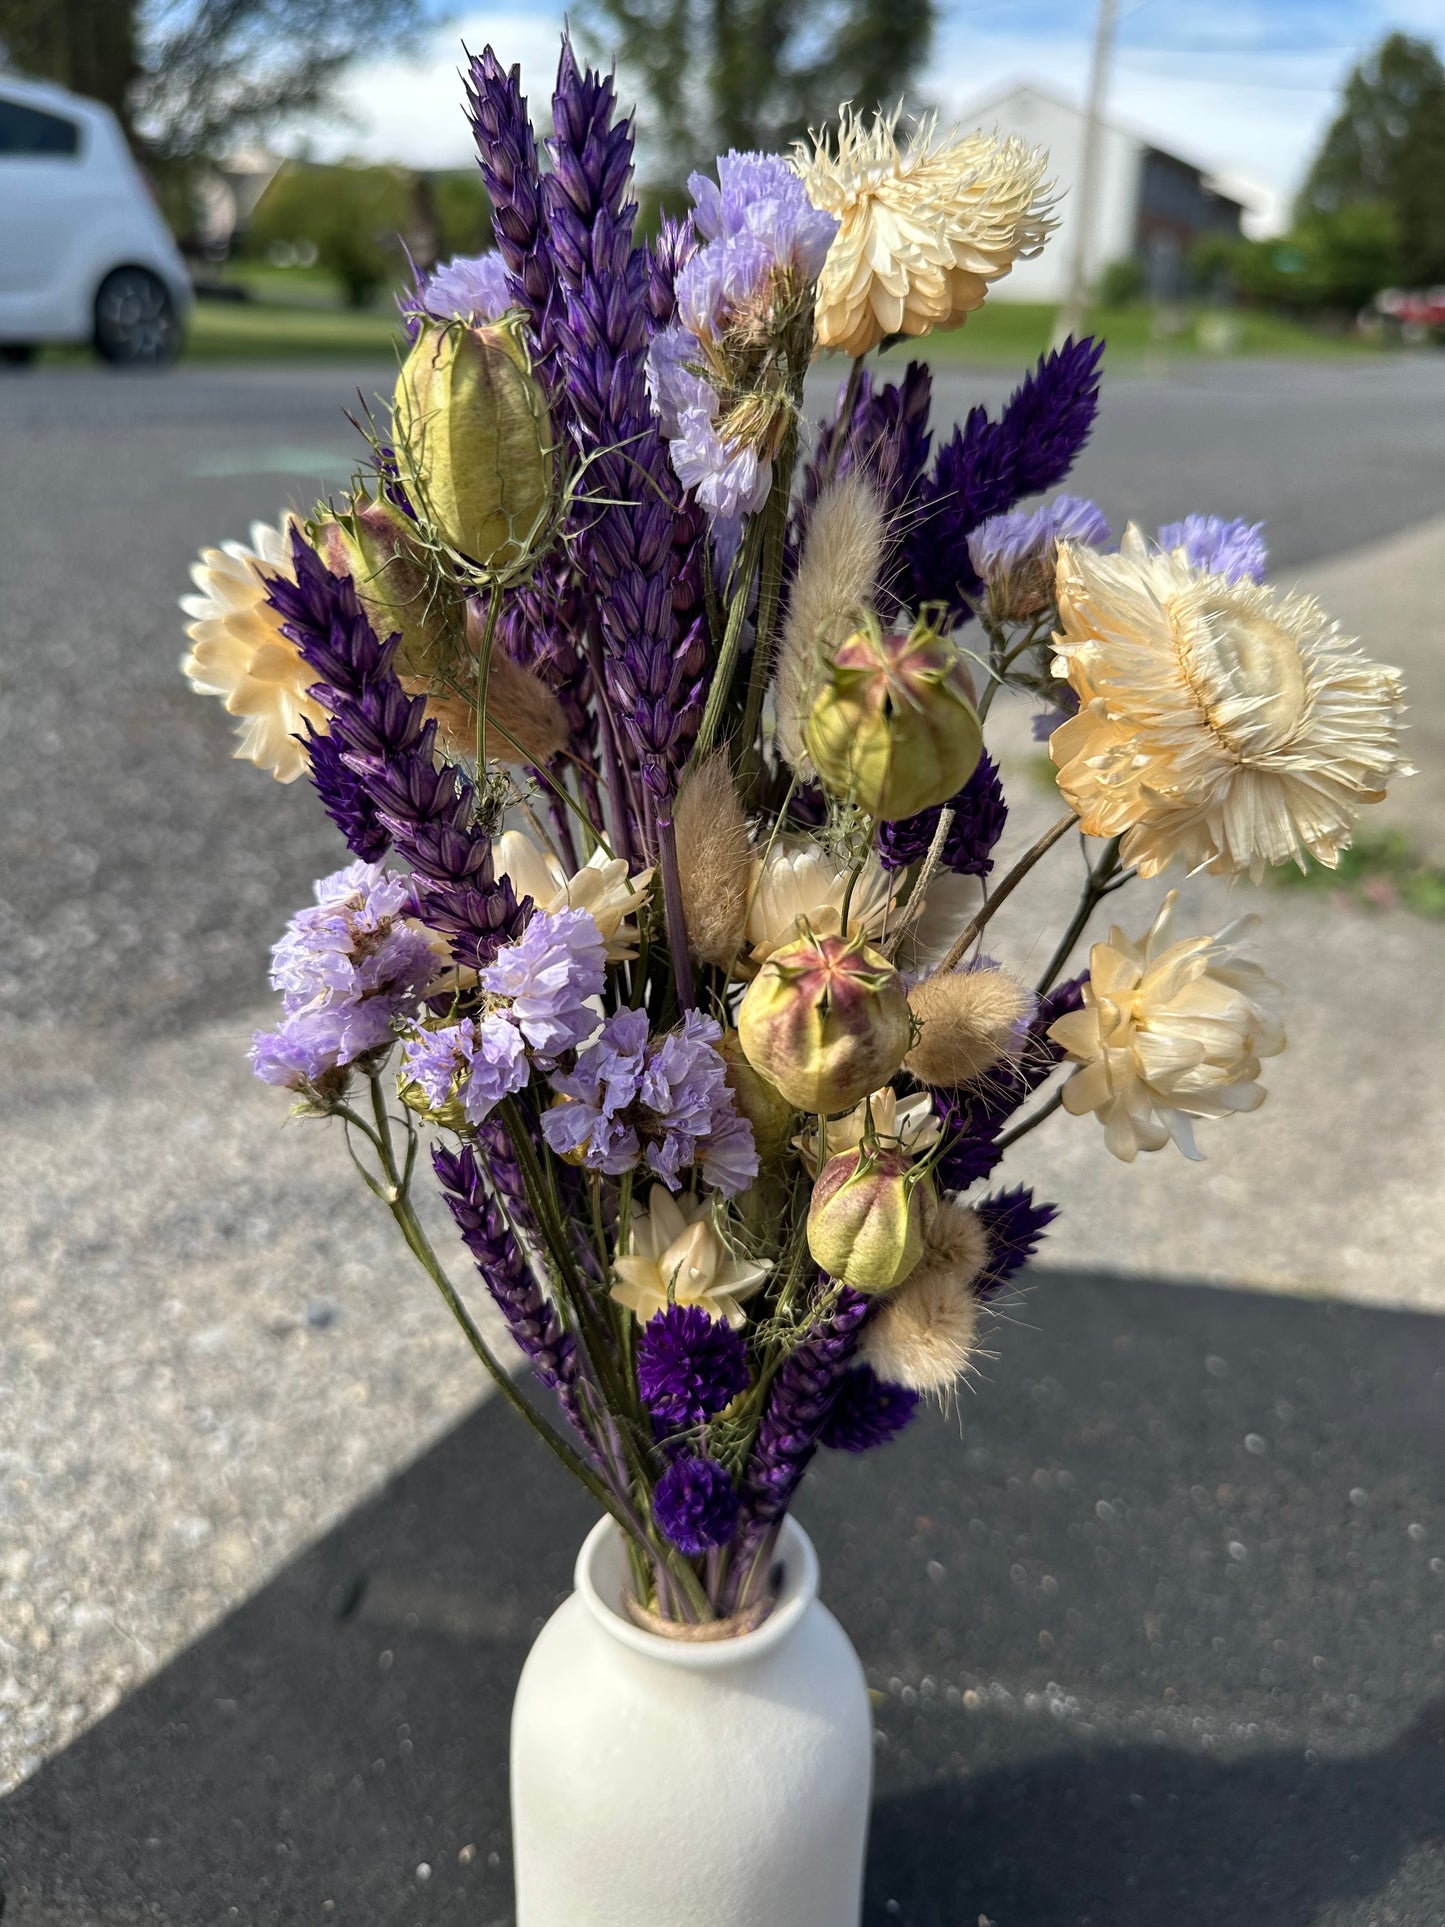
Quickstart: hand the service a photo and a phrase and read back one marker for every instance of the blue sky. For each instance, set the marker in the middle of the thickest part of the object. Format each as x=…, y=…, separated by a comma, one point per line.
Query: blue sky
x=1244, y=86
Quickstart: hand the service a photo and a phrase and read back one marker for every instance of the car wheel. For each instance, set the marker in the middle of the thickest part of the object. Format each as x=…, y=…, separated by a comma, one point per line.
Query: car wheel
x=15, y=354
x=135, y=320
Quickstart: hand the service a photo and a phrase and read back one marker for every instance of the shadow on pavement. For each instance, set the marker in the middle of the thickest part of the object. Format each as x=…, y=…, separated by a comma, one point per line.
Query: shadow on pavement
x=1158, y=1634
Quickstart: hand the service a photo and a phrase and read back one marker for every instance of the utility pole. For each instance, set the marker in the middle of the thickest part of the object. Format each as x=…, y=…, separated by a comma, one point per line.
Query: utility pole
x=1074, y=311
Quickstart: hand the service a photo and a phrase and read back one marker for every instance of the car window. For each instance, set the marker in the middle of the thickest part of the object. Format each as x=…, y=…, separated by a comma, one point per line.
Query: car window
x=26, y=130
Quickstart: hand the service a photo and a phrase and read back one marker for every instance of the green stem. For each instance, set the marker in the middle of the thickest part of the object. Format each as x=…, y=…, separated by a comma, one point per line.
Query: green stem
x=484, y=670
x=399, y=1204
x=1031, y=1123
x=770, y=586
x=727, y=661
x=1101, y=880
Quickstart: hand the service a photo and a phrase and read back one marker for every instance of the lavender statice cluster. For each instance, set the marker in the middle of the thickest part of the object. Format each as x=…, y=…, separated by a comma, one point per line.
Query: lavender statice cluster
x=348, y=969
x=661, y=1101
x=761, y=238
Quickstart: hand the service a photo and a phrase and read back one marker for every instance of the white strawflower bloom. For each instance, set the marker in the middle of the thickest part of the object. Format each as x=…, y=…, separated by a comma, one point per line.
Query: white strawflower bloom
x=1169, y=1032
x=922, y=230
x=1221, y=722
x=239, y=653
x=602, y=887
x=899, y=1124
x=673, y=1248
x=796, y=882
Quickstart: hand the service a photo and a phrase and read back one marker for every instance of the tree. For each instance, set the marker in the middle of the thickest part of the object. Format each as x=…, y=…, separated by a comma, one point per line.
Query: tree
x=717, y=74
x=192, y=77
x=1386, y=147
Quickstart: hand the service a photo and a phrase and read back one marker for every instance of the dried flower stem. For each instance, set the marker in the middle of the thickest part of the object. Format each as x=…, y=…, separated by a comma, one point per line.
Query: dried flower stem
x=770, y=583
x=1029, y=1123
x=843, y=421
x=672, y=908
x=732, y=643
x=397, y=1196
x=1006, y=889
x=1101, y=879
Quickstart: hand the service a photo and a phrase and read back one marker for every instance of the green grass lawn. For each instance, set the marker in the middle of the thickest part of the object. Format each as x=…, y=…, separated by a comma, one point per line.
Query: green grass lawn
x=1019, y=331
x=273, y=331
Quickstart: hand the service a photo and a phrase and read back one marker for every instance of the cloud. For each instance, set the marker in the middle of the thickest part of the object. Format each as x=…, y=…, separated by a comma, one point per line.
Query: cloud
x=412, y=111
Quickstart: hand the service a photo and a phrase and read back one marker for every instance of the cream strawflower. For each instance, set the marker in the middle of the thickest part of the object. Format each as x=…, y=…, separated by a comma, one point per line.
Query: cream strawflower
x=602, y=887
x=1224, y=723
x=240, y=654
x=1169, y=1032
x=899, y=1124
x=922, y=230
x=675, y=1256
x=795, y=881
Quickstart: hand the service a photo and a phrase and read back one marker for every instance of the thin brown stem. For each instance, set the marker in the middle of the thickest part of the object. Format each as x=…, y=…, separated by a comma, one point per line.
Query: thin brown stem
x=841, y=422
x=1006, y=889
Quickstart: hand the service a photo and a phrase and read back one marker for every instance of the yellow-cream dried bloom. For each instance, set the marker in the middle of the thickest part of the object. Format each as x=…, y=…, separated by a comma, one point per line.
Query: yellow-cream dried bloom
x=602, y=887
x=1168, y=1032
x=899, y=1124
x=239, y=653
x=795, y=882
x=923, y=230
x=1225, y=723
x=675, y=1256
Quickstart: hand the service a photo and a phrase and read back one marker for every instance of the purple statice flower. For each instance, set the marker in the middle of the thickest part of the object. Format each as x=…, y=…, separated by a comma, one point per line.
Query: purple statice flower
x=973, y=1122
x=312, y=1045
x=661, y=1101
x=549, y=973
x=986, y=467
x=358, y=942
x=477, y=1061
x=866, y=1411
x=1014, y=1224
x=799, y=1403
x=689, y=1366
x=979, y=815
x=758, y=206
x=1008, y=543
x=471, y=287
x=531, y=1317
x=347, y=968
x=695, y=1505
x=727, y=478
x=383, y=738
x=1234, y=550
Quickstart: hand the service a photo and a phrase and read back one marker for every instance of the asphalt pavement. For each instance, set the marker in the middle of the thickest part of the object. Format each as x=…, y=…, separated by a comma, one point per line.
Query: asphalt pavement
x=1155, y=1629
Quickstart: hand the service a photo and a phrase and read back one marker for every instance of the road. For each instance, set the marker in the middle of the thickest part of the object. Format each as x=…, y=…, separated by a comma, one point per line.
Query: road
x=156, y=875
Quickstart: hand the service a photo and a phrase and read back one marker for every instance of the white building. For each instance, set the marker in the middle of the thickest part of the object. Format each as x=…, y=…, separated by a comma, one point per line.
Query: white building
x=1148, y=202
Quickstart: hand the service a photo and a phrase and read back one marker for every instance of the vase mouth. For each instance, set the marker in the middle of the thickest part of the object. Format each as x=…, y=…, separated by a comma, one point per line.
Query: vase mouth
x=603, y=1579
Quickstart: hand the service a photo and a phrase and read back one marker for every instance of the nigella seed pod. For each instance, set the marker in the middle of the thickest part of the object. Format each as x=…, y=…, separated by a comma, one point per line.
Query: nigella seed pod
x=770, y=1114
x=375, y=544
x=867, y=1217
x=474, y=442
x=826, y=1021
x=893, y=726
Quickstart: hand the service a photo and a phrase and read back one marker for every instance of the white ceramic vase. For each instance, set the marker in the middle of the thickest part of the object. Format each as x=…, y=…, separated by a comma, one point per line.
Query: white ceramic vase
x=658, y=1783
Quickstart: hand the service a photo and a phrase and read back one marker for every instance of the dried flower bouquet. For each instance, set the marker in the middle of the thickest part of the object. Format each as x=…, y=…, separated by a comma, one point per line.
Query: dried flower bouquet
x=662, y=770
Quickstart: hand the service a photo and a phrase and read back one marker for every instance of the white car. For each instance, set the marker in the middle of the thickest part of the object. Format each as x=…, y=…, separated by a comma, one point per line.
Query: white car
x=84, y=252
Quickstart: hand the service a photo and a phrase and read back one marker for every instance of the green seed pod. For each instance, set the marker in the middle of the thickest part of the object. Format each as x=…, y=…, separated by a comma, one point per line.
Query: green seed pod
x=375, y=544
x=893, y=727
x=763, y=1105
x=473, y=441
x=826, y=1021
x=867, y=1217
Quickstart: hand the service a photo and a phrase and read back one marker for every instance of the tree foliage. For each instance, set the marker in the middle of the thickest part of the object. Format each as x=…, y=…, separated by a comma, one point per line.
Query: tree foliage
x=194, y=76
x=1386, y=149
x=717, y=74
